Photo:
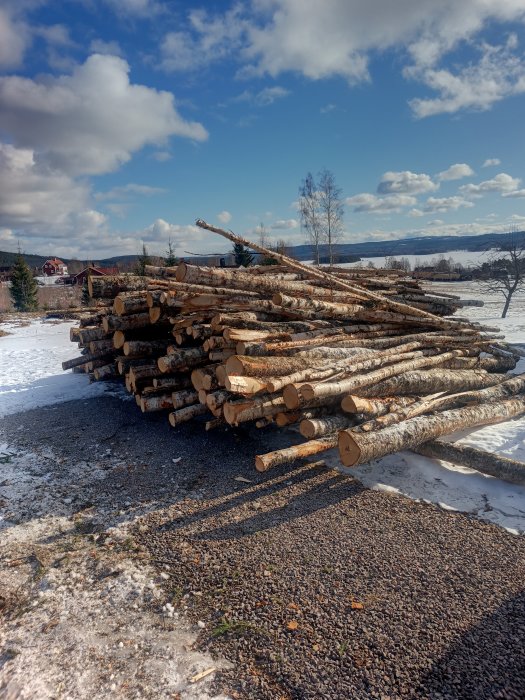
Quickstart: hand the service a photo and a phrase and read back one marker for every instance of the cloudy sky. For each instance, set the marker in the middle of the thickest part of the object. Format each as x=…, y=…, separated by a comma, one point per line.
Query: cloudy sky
x=122, y=121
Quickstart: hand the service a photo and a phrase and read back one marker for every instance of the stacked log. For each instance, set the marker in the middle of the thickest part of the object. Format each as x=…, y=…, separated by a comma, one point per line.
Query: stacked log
x=367, y=360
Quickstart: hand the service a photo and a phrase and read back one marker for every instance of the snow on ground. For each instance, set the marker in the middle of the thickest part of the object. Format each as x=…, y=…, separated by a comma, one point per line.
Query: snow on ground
x=31, y=372
x=465, y=257
x=84, y=612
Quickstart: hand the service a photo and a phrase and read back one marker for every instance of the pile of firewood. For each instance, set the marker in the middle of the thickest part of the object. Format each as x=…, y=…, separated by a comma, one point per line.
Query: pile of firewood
x=364, y=359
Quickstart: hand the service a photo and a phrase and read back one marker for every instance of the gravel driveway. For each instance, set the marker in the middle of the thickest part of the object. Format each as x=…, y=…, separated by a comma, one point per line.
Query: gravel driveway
x=313, y=586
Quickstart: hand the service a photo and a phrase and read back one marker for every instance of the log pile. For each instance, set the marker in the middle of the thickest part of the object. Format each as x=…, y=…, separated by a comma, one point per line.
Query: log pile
x=366, y=360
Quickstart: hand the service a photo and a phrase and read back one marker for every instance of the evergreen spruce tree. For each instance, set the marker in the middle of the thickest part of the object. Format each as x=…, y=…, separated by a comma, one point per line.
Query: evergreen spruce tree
x=85, y=299
x=23, y=286
x=143, y=260
x=171, y=259
x=243, y=258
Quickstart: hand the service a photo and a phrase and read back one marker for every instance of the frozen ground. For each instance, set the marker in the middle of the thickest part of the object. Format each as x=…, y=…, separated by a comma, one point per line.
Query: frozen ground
x=31, y=373
x=84, y=617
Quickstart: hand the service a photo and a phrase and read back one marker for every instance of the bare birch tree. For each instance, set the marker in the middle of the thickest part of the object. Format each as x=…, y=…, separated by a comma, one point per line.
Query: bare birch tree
x=504, y=272
x=310, y=213
x=331, y=210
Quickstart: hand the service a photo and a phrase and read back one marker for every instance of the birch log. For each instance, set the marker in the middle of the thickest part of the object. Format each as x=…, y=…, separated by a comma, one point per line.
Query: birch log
x=359, y=448
x=318, y=427
x=108, y=286
x=310, y=391
x=183, y=415
x=421, y=382
x=290, y=454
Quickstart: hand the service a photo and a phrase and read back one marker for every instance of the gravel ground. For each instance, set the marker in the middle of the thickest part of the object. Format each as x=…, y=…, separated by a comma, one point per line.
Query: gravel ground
x=313, y=586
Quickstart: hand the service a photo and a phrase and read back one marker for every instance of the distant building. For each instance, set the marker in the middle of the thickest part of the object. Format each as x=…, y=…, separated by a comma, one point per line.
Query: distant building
x=94, y=272
x=54, y=266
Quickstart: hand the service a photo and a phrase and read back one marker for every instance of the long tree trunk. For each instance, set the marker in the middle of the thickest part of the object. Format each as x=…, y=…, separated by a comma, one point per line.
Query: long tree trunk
x=430, y=381
x=359, y=448
x=290, y=454
x=484, y=462
x=107, y=286
x=310, y=391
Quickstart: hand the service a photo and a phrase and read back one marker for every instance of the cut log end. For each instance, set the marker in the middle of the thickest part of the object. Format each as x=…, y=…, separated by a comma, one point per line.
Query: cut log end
x=348, y=449
x=292, y=398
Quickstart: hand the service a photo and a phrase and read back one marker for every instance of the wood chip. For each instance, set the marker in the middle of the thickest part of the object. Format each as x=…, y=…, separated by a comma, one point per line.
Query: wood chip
x=199, y=676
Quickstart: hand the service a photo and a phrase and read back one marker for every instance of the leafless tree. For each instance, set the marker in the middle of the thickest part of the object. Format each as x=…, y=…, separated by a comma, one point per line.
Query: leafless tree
x=504, y=271
x=310, y=213
x=331, y=209
x=392, y=263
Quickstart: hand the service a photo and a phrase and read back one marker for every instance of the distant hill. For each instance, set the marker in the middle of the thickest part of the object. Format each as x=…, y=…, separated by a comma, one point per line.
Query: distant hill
x=8, y=259
x=423, y=245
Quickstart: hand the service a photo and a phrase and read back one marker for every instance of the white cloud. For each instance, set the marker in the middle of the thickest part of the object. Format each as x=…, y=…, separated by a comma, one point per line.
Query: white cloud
x=35, y=198
x=207, y=39
x=500, y=73
x=135, y=8
x=92, y=121
x=328, y=108
x=502, y=183
x=125, y=191
x=490, y=162
x=284, y=224
x=224, y=217
x=406, y=182
x=14, y=39
x=264, y=97
x=515, y=193
x=456, y=172
x=162, y=156
x=367, y=202
x=55, y=34
x=272, y=37
x=444, y=204
x=110, y=48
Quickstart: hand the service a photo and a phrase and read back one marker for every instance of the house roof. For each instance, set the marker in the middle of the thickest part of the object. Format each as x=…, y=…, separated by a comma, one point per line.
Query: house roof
x=55, y=261
x=98, y=270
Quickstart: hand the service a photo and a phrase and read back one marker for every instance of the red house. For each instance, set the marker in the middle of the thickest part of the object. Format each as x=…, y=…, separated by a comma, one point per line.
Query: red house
x=54, y=266
x=94, y=272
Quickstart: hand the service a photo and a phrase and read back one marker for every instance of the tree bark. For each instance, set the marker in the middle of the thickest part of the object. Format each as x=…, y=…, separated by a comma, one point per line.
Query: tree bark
x=351, y=385
x=141, y=348
x=236, y=412
x=108, y=286
x=374, y=407
x=182, y=358
x=124, y=323
x=124, y=305
x=105, y=372
x=422, y=382
x=322, y=308
x=186, y=414
x=290, y=454
x=150, y=404
x=185, y=397
x=359, y=448
x=319, y=427
x=86, y=335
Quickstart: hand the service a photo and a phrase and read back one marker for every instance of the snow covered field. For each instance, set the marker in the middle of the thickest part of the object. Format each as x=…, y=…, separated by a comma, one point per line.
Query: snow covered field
x=31, y=376
x=31, y=367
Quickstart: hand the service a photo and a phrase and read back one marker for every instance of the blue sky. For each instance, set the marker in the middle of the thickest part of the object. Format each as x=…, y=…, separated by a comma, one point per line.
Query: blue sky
x=122, y=121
